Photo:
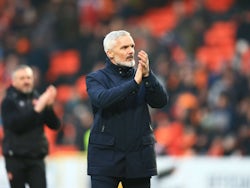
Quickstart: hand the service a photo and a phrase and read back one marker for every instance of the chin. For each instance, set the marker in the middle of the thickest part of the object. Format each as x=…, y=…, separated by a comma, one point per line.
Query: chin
x=27, y=91
x=127, y=64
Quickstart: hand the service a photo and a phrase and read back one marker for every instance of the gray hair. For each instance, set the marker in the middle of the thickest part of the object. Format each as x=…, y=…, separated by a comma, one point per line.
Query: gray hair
x=20, y=67
x=110, y=39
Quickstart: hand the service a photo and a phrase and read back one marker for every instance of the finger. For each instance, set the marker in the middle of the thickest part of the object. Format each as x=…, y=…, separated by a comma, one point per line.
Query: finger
x=142, y=64
x=143, y=54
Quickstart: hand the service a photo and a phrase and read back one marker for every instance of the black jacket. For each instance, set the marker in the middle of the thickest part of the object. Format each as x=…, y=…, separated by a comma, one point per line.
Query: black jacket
x=23, y=127
x=121, y=141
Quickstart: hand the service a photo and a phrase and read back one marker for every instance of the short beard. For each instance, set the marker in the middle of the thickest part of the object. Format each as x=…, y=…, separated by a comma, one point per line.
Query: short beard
x=126, y=64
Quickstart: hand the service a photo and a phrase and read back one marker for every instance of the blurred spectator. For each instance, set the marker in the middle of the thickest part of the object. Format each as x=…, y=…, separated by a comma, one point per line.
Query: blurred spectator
x=24, y=113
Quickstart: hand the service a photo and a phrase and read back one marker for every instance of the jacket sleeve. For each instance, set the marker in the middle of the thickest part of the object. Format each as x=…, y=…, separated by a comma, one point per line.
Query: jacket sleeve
x=156, y=94
x=102, y=96
x=15, y=119
x=51, y=119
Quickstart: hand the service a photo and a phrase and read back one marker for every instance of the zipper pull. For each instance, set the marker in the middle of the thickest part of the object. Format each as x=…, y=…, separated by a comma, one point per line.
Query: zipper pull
x=103, y=128
x=151, y=128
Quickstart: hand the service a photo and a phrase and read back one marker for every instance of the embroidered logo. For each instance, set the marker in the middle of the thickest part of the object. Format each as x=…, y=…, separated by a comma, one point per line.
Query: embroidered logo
x=21, y=103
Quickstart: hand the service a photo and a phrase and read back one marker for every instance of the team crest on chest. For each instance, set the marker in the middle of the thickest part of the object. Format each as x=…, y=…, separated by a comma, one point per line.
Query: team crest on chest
x=21, y=103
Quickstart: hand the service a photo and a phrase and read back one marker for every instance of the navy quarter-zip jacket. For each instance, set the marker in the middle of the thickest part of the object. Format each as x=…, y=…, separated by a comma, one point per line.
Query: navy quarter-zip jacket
x=121, y=142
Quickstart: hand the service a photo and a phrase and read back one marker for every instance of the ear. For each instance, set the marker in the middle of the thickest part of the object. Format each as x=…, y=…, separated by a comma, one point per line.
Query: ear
x=110, y=54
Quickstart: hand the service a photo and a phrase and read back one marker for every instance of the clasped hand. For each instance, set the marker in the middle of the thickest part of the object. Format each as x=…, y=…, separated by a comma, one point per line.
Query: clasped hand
x=143, y=67
x=46, y=99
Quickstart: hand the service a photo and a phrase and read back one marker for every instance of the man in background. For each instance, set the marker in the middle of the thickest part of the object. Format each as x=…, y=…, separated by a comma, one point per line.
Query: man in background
x=24, y=114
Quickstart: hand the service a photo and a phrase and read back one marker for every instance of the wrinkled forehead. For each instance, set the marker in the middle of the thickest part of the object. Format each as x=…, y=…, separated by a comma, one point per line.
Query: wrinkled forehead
x=125, y=40
x=22, y=72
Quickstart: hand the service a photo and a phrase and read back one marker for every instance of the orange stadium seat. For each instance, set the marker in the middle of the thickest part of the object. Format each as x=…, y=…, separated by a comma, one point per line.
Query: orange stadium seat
x=189, y=6
x=219, y=47
x=160, y=20
x=200, y=78
x=81, y=87
x=219, y=6
x=245, y=63
x=63, y=63
x=23, y=45
x=106, y=10
x=64, y=93
x=169, y=136
x=221, y=33
x=187, y=100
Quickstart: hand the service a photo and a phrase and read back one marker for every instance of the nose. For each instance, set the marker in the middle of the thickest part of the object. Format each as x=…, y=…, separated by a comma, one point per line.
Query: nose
x=131, y=50
x=27, y=80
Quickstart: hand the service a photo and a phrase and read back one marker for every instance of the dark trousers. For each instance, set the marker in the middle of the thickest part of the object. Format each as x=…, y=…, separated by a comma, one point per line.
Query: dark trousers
x=112, y=182
x=21, y=171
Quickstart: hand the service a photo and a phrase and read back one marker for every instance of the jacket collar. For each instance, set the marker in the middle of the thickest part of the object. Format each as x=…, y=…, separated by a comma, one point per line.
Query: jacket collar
x=14, y=92
x=121, y=70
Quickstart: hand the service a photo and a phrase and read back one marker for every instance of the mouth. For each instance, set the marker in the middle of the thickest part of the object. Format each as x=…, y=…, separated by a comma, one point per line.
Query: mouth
x=26, y=85
x=130, y=58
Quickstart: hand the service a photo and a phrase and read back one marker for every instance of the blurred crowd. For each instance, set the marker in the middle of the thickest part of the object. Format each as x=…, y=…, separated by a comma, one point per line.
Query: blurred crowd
x=199, y=50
